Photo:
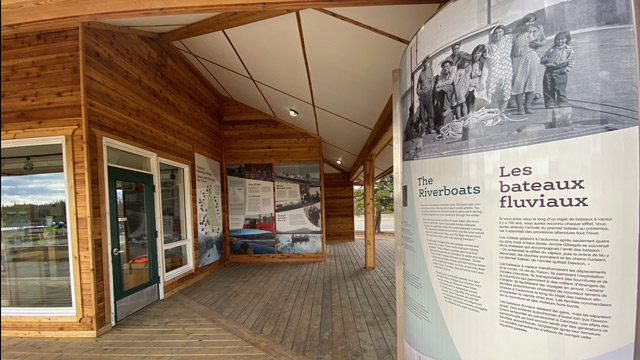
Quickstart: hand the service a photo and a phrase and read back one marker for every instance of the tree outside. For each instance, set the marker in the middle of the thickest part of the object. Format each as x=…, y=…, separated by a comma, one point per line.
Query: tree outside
x=383, y=197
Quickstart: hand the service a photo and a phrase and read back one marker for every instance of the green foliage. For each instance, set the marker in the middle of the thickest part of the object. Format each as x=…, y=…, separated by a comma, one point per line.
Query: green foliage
x=383, y=196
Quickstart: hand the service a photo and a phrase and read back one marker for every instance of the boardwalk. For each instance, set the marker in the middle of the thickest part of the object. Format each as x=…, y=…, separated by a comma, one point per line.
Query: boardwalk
x=330, y=310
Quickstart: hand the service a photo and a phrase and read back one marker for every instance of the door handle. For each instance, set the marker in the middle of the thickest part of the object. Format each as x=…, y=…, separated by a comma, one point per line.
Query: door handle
x=117, y=251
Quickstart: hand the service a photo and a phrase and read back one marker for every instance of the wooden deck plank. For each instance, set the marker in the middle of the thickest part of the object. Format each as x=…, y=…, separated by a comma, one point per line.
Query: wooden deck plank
x=273, y=306
x=369, y=308
x=313, y=335
x=337, y=318
x=362, y=330
x=352, y=345
x=285, y=301
x=300, y=340
x=326, y=346
x=285, y=332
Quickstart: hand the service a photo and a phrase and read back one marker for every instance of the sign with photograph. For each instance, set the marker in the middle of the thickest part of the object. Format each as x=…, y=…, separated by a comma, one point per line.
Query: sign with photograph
x=251, y=208
x=520, y=164
x=298, y=212
x=209, y=202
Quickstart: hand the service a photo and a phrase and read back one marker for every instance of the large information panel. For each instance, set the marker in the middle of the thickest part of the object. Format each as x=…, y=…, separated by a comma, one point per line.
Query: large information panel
x=520, y=182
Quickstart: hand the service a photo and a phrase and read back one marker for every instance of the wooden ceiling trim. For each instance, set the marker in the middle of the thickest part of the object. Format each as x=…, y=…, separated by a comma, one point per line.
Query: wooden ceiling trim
x=384, y=173
x=216, y=64
x=17, y=14
x=364, y=26
x=283, y=92
x=213, y=76
x=339, y=148
x=221, y=22
x=200, y=60
x=306, y=65
x=331, y=164
x=273, y=113
x=344, y=118
x=126, y=30
x=381, y=135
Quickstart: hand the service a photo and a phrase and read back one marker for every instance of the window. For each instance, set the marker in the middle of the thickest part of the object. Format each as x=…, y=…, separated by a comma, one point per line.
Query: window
x=36, y=266
x=176, y=223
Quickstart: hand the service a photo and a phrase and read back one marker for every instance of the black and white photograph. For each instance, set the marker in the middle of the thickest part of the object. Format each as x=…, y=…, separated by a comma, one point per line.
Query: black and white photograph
x=299, y=243
x=297, y=185
x=298, y=211
x=531, y=72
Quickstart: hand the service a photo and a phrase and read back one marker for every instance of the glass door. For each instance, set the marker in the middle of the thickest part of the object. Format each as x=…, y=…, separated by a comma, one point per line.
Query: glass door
x=133, y=240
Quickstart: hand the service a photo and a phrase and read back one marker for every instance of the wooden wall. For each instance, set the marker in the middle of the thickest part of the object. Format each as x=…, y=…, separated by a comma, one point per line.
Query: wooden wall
x=338, y=200
x=252, y=137
x=141, y=91
x=41, y=97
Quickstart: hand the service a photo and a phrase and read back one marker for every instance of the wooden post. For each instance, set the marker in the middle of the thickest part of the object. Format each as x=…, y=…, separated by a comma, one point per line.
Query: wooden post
x=369, y=210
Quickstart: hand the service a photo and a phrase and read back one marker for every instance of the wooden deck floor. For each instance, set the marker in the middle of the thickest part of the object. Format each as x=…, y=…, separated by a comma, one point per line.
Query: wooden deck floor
x=330, y=310
x=164, y=330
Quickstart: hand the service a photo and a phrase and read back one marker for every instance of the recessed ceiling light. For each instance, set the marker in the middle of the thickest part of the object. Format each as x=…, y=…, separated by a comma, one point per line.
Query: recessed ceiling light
x=339, y=161
x=293, y=113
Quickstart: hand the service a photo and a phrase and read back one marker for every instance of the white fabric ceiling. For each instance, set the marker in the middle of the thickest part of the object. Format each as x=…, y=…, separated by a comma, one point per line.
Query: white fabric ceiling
x=350, y=53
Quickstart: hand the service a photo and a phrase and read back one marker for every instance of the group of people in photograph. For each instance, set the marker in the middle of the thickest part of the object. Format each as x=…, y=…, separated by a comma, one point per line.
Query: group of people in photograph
x=504, y=69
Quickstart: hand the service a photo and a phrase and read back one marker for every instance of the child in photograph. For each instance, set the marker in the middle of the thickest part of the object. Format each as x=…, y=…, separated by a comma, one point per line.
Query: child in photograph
x=558, y=60
x=527, y=39
x=461, y=85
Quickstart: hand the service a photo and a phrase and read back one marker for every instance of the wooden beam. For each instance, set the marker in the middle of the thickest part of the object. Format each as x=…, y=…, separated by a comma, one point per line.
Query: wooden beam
x=369, y=215
x=122, y=29
x=30, y=14
x=380, y=136
x=220, y=22
x=364, y=26
x=384, y=173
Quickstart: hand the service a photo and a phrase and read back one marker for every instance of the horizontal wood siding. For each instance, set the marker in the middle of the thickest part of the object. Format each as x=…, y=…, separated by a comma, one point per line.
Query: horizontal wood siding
x=251, y=136
x=41, y=97
x=141, y=91
x=40, y=76
x=338, y=199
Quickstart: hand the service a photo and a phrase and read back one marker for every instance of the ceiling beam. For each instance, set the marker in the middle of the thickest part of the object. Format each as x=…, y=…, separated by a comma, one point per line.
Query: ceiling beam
x=380, y=136
x=220, y=22
x=35, y=14
x=384, y=173
x=364, y=26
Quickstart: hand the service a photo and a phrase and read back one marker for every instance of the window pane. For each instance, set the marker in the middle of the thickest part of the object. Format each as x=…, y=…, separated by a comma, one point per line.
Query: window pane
x=127, y=159
x=175, y=258
x=35, y=248
x=173, y=203
x=132, y=233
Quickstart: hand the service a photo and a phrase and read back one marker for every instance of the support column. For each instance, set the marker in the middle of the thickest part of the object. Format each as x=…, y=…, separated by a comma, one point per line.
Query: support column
x=369, y=214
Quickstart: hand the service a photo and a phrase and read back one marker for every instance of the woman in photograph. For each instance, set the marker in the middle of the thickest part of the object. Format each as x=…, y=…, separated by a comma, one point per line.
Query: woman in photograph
x=475, y=75
x=528, y=38
x=498, y=68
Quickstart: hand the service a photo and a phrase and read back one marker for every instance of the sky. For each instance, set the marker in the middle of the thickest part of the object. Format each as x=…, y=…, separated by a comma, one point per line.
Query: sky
x=33, y=189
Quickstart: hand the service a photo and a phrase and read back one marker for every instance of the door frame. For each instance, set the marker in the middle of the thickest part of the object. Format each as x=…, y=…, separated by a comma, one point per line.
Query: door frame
x=153, y=157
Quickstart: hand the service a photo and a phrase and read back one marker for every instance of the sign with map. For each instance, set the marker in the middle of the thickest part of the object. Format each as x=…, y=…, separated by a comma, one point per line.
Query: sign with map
x=209, y=202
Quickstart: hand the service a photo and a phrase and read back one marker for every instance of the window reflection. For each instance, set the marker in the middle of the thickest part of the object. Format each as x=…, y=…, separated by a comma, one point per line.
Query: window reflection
x=35, y=248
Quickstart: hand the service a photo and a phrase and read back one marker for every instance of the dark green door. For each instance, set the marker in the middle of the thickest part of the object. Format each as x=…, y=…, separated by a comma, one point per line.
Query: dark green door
x=133, y=241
